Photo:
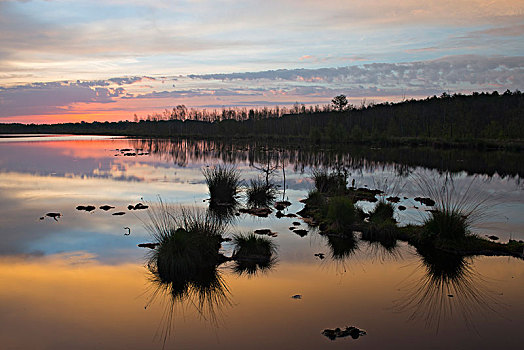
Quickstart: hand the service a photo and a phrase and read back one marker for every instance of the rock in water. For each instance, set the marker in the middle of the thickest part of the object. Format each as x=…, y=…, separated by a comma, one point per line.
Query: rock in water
x=351, y=331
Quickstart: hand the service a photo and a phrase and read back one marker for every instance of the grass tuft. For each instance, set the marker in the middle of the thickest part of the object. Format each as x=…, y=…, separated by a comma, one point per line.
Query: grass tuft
x=341, y=213
x=260, y=193
x=223, y=182
x=330, y=183
x=456, y=209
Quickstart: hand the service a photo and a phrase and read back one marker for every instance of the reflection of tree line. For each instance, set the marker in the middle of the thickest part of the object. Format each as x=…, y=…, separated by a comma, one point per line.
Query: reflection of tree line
x=401, y=160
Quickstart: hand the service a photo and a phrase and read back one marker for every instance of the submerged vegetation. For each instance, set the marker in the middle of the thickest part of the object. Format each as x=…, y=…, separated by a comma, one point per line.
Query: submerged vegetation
x=253, y=254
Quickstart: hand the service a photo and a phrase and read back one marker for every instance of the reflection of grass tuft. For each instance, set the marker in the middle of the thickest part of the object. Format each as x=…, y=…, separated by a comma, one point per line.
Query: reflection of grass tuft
x=253, y=254
x=223, y=182
x=253, y=247
x=342, y=247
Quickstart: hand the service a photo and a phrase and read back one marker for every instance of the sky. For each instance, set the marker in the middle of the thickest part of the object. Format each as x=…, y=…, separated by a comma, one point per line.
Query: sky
x=87, y=60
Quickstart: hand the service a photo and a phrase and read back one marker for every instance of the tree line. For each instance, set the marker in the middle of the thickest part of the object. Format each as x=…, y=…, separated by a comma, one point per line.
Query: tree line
x=448, y=118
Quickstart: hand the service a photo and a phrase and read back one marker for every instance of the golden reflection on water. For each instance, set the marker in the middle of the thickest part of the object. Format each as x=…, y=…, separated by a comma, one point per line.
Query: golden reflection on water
x=71, y=300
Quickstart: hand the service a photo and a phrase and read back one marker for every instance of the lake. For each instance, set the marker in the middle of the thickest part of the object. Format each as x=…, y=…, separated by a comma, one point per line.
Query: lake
x=79, y=281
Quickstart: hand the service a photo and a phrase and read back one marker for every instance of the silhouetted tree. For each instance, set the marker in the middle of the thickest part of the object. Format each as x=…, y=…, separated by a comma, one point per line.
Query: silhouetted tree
x=339, y=102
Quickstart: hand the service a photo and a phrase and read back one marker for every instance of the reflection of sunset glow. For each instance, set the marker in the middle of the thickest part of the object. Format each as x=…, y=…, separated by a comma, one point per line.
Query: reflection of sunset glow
x=76, y=294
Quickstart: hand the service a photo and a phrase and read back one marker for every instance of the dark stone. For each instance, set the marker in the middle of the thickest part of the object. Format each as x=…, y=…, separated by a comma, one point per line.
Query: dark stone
x=393, y=199
x=266, y=231
x=55, y=216
x=118, y=213
x=426, y=201
x=138, y=206
x=260, y=212
x=351, y=331
x=106, y=207
x=141, y=206
x=320, y=255
x=86, y=207
x=296, y=223
x=282, y=205
x=291, y=215
x=279, y=206
x=495, y=238
x=401, y=207
x=301, y=233
x=279, y=214
x=149, y=245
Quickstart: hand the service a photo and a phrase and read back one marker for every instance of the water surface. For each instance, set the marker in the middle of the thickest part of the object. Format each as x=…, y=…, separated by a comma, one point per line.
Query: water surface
x=79, y=282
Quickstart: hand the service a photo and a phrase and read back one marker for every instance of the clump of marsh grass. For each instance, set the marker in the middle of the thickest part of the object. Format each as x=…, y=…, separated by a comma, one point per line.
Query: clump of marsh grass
x=188, y=240
x=456, y=209
x=383, y=212
x=260, y=193
x=382, y=226
x=184, y=266
x=341, y=213
x=315, y=199
x=330, y=183
x=252, y=247
x=223, y=182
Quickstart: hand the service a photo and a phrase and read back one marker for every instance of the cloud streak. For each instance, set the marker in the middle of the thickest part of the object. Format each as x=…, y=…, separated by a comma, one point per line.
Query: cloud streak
x=376, y=81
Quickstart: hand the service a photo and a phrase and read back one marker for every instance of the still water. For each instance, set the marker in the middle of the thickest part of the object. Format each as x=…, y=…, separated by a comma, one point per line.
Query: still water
x=78, y=282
